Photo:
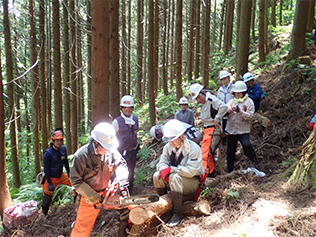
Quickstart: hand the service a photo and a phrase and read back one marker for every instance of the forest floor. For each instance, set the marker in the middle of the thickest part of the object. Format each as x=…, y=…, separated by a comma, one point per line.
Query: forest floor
x=267, y=206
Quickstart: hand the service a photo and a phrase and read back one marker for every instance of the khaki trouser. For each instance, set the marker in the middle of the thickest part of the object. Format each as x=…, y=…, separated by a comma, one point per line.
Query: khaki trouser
x=177, y=183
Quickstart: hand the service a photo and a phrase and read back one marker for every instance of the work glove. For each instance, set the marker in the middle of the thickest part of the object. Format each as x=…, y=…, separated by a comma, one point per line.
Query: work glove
x=164, y=174
x=51, y=187
x=96, y=198
x=237, y=109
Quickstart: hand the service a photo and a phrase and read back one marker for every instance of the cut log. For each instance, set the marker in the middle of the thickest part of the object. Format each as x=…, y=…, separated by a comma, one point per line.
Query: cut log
x=146, y=212
x=264, y=121
x=197, y=208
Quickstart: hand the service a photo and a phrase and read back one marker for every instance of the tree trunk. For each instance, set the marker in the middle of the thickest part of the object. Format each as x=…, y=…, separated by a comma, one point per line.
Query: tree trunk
x=229, y=25
x=67, y=83
x=140, y=36
x=151, y=85
x=123, y=49
x=5, y=198
x=214, y=30
x=262, y=56
x=197, y=40
x=89, y=28
x=280, y=12
x=243, y=38
x=10, y=85
x=100, y=62
x=129, y=79
x=222, y=20
x=298, y=42
x=146, y=212
x=44, y=128
x=311, y=17
x=35, y=90
x=58, y=115
x=273, y=20
x=164, y=47
x=305, y=166
x=179, y=49
x=206, y=43
x=191, y=37
x=74, y=78
x=114, y=65
x=253, y=20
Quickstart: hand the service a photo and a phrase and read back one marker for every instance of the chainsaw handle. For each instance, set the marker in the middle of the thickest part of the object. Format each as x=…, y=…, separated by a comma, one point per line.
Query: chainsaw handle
x=105, y=198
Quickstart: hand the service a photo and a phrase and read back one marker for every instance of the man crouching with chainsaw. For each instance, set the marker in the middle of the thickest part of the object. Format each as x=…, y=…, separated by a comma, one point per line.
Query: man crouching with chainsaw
x=179, y=168
x=91, y=170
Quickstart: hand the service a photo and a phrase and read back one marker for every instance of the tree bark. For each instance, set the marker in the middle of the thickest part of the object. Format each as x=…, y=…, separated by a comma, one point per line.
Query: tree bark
x=10, y=85
x=100, y=62
x=179, y=49
x=123, y=49
x=58, y=115
x=243, y=38
x=151, y=83
x=140, y=36
x=191, y=39
x=262, y=56
x=273, y=19
x=114, y=65
x=89, y=62
x=206, y=43
x=197, y=40
x=44, y=125
x=228, y=25
x=5, y=198
x=35, y=90
x=298, y=42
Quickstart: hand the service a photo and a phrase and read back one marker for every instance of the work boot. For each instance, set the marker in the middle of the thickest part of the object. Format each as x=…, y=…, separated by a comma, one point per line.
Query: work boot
x=122, y=229
x=161, y=191
x=176, y=198
x=46, y=203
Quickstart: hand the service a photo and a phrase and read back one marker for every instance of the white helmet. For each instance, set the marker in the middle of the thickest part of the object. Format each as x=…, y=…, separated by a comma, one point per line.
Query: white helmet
x=183, y=101
x=240, y=86
x=248, y=77
x=195, y=90
x=104, y=134
x=173, y=129
x=127, y=101
x=153, y=131
x=223, y=74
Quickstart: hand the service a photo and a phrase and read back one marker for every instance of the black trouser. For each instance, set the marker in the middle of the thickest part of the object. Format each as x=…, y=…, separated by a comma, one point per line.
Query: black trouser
x=232, y=146
x=130, y=158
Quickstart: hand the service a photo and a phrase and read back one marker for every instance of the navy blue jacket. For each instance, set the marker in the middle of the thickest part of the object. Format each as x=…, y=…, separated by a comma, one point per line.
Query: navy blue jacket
x=255, y=94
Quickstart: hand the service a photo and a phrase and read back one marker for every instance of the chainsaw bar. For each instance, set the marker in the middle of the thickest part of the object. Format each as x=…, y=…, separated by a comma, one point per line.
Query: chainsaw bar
x=139, y=199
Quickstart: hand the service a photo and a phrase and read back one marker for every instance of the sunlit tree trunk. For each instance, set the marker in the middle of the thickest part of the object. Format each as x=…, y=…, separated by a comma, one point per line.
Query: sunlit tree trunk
x=179, y=49
x=222, y=20
x=42, y=68
x=238, y=24
x=5, y=198
x=273, y=19
x=151, y=86
x=280, y=12
x=10, y=85
x=206, y=43
x=156, y=42
x=140, y=37
x=49, y=68
x=192, y=27
x=35, y=90
x=197, y=40
x=228, y=33
x=214, y=30
x=253, y=21
x=89, y=29
x=298, y=42
x=123, y=48
x=58, y=114
x=100, y=62
x=244, y=35
x=114, y=65
x=172, y=46
x=129, y=79
x=164, y=47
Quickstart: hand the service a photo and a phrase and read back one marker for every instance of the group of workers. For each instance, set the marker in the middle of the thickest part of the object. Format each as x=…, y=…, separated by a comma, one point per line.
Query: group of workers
x=110, y=156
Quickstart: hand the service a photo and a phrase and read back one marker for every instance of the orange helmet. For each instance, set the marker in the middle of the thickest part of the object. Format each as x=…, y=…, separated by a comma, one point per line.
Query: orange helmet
x=57, y=135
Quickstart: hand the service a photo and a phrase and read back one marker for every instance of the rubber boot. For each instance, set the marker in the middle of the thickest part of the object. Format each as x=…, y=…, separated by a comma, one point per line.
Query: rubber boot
x=46, y=203
x=122, y=229
x=176, y=198
x=161, y=191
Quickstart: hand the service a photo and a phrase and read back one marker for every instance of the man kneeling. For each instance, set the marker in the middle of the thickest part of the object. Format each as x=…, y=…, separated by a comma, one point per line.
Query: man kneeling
x=179, y=168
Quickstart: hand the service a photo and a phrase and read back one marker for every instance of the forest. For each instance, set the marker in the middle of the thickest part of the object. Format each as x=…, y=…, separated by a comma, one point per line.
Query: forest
x=67, y=63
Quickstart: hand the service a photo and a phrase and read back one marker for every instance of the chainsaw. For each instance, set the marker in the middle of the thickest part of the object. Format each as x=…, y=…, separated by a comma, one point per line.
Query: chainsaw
x=117, y=197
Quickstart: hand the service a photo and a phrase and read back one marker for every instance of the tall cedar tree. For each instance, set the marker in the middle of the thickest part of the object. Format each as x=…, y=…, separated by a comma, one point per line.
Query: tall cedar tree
x=244, y=35
x=5, y=198
x=140, y=38
x=298, y=42
x=100, y=90
x=10, y=83
x=35, y=90
x=179, y=50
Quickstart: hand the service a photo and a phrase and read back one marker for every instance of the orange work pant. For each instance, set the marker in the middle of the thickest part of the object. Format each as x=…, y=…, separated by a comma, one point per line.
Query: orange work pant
x=64, y=179
x=86, y=216
x=207, y=156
